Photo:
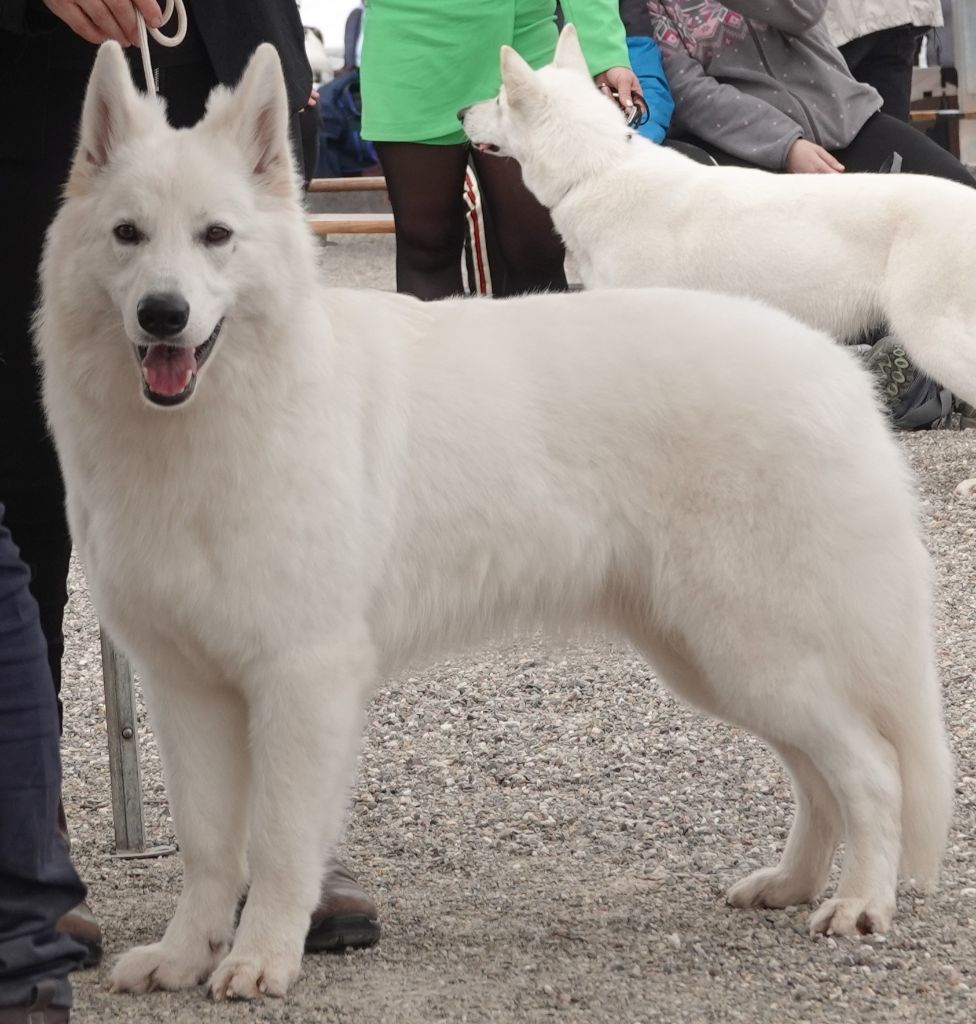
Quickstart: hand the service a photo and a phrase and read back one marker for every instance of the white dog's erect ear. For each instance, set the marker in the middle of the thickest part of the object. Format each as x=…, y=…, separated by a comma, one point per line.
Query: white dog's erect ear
x=108, y=118
x=569, y=53
x=255, y=115
x=517, y=77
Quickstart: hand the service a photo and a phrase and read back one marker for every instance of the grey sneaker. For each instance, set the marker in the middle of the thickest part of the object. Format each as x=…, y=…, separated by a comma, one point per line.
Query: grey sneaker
x=890, y=364
x=914, y=401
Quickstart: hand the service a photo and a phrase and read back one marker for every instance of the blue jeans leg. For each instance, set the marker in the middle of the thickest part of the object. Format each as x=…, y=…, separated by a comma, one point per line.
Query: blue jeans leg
x=37, y=882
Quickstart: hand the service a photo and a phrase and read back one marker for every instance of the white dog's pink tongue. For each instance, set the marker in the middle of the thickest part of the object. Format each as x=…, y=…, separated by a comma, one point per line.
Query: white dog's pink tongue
x=169, y=368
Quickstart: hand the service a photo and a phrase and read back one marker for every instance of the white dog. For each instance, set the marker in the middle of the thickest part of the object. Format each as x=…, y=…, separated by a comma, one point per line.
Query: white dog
x=842, y=252
x=282, y=494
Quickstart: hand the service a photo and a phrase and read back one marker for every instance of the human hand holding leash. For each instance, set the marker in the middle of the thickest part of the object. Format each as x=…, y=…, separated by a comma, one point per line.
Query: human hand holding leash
x=621, y=84
x=807, y=157
x=100, y=20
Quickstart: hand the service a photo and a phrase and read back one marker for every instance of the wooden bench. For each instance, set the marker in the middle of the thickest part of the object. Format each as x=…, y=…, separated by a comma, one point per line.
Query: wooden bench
x=350, y=223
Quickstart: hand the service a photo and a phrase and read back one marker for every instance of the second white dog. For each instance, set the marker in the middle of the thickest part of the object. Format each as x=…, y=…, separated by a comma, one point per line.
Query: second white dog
x=842, y=252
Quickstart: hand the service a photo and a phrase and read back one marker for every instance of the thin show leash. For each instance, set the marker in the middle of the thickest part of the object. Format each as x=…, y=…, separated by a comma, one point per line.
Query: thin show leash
x=636, y=114
x=163, y=40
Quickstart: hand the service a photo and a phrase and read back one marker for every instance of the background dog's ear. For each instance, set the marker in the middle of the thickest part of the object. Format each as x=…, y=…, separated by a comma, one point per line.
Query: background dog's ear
x=569, y=53
x=108, y=117
x=255, y=114
x=517, y=77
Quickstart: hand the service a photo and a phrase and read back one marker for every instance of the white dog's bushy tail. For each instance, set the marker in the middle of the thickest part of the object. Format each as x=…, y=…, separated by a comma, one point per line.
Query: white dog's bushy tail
x=926, y=768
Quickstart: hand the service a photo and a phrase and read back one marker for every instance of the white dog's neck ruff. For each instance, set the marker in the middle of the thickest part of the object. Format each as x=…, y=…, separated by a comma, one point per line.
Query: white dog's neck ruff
x=573, y=185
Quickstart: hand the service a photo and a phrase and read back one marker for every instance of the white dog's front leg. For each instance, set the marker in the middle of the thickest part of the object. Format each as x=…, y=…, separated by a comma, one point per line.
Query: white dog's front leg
x=202, y=734
x=306, y=720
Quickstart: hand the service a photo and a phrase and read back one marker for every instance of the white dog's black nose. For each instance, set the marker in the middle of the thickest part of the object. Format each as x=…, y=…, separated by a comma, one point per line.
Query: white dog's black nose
x=163, y=314
x=463, y=111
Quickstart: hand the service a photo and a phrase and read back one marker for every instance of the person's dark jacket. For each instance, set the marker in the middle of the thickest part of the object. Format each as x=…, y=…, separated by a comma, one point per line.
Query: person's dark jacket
x=35, y=45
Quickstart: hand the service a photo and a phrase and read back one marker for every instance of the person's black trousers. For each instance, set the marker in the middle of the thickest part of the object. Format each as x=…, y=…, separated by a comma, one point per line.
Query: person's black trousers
x=30, y=191
x=885, y=60
x=880, y=136
x=30, y=478
x=883, y=135
x=37, y=882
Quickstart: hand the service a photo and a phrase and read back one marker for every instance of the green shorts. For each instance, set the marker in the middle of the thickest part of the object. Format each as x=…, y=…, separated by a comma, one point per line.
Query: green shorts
x=423, y=60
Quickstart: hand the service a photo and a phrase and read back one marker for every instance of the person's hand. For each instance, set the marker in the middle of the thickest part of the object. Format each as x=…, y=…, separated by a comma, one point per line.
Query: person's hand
x=313, y=97
x=622, y=82
x=807, y=157
x=98, y=20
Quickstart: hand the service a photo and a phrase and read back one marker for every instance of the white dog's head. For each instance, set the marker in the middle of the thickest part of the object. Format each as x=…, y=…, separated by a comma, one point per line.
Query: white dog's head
x=547, y=118
x=164, y=233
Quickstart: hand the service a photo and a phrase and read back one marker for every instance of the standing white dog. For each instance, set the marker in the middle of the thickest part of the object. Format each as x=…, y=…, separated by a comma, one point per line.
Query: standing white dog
x=282, y=494
x=842, y=252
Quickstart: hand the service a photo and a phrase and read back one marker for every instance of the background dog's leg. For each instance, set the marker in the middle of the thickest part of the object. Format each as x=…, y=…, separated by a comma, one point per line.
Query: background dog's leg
x=306, y=722
x=802, y=872
x=943, y=346
x=202, y=733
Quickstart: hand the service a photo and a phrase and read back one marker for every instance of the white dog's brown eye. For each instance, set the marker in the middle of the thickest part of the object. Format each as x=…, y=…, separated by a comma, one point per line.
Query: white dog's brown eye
x=216, y=234
x=127, y=232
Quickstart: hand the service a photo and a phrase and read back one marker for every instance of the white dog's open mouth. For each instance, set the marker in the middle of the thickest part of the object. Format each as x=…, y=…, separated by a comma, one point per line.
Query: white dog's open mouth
x=169, y=372
x=487, y=147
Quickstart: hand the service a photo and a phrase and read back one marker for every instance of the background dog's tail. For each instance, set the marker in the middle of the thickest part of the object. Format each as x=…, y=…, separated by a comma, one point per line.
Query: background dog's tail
x=915, y=728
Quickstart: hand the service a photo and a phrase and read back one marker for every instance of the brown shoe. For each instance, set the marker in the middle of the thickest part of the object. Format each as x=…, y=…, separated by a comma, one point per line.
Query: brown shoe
x=81, y=925
x=40, y=1010
x=346, y=918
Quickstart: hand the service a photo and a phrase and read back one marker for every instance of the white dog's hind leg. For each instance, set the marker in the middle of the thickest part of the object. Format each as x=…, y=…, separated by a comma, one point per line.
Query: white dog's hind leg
x=802, y=872
x=803, y=869
x=202, y=733
x=306, y=720
x=861, y=768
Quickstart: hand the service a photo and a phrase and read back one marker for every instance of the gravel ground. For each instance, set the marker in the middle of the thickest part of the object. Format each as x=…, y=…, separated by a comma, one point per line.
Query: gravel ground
x=549, y=835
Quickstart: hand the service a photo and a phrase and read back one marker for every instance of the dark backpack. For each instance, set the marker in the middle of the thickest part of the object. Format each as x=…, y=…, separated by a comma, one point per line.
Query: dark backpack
x=343, y=152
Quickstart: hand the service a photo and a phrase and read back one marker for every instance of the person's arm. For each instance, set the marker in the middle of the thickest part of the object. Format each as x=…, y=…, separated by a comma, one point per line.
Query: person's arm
x=601, y=33
x=645, y=59
x=794, y=17
x=742, y=125
x=602, y=38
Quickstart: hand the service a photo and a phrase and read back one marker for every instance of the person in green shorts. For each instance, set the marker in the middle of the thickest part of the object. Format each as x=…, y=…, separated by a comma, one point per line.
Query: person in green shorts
x=422, y=61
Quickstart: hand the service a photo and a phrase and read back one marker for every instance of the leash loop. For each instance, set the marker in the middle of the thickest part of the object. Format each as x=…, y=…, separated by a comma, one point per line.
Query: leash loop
x=174, y=40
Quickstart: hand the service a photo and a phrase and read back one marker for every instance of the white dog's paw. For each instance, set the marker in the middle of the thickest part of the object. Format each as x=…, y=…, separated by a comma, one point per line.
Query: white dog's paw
x=250, y=977
x=160, y=966
x=771, y=887
x=967, y=488
x=852, y=917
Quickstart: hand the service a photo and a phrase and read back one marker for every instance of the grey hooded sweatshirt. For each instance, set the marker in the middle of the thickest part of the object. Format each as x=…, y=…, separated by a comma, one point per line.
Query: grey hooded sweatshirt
x=752, y=76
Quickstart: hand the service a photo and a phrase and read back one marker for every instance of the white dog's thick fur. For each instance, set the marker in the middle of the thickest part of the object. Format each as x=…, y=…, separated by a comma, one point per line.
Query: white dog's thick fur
x=361, y=479
x=842, y=252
